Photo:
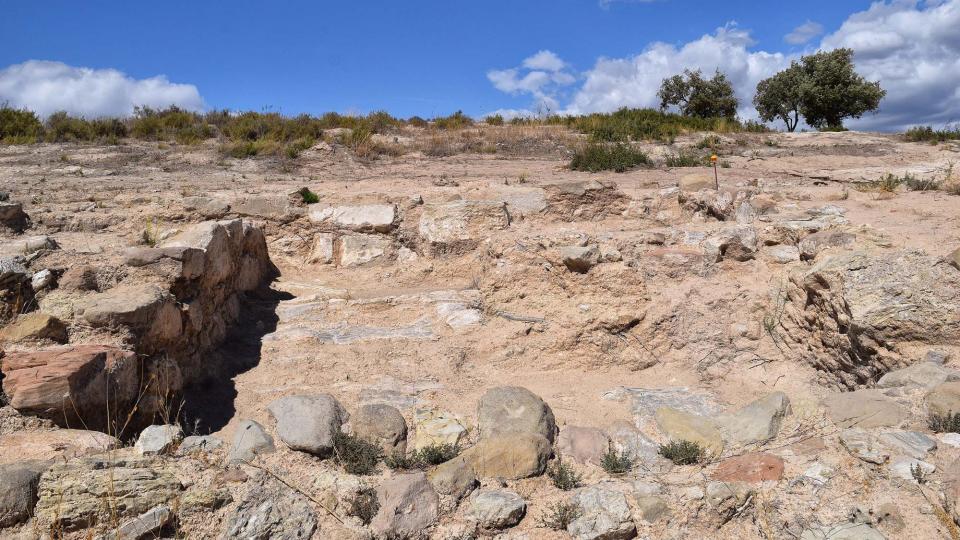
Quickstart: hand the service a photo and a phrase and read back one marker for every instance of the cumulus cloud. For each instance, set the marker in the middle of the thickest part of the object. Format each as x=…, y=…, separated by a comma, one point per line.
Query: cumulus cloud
x=542, y=75
x=46, y=87
x=633, y=82
x=911, y=47
x=804, y=33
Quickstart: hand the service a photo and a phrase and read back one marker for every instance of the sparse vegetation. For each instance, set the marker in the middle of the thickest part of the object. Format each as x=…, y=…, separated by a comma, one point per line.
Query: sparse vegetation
x=684, y=158
x=308, y=196
x=19, y=126
x=614, y=462
x=564, y=476
x=364, y=505
x=710, y=141
x=649, y=124
x=494, y=120
x=928, y=134
x=915, y=183
x=433, y=454
x=558, y=516
x=596, y=157
x=683, y=452
x=918, y=474
x=456, y=120
x=944, y=423
x=356, y=455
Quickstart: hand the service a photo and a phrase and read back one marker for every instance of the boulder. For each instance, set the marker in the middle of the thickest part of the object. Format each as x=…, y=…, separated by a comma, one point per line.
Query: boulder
x=580, y=259
x=358, y=249
x=323, y=249
x=583, y=200
x=198, y=443
x=583, y=444
x=380, y=218
x=720, y=205
x=454, y=478
x=249, y=440
x=737, y=244
x=34, y=326
x=750, y=468
x=813, y=244
x=382, y=425
x=919, y=375
x=13, y=217
x=71, y=385
x=514, y=409
x=604, y=515
x=145, y=525
x=625, y=437
x=460, y=226
x=904, y=467
x=157, y=439
x=511, y=456
x=651, y=508
x=783, y=254
x=18, y=491
x=852, y=314
x=865, y=409
x=273, y=207
x=944, y=399
x=72, y=494
x=145, y=309
x=954, y=259
x=408, y=506
x=680, y=426
x=309, y=423
x=26, y=245
x=756, y=422
x=272, y=510
x=42, y=280
x=433, y=427
x=908, y=443
x=187, y=262
x=56, y=445
x=494, y=509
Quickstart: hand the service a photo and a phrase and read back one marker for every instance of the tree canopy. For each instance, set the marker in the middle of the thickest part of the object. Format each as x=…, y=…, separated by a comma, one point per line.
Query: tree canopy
x=696, y=96
x=824, y=88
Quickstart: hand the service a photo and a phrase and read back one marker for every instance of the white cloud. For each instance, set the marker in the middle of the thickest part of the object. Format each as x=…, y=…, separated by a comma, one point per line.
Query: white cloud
x=542, y=75
x=634, y=81
x=804, y=33
x=911, y=47
x=46, y=87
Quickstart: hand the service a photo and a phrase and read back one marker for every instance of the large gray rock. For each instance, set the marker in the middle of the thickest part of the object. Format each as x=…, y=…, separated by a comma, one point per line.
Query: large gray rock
x=147, y=523
x=198, y=443
x=625, y=437
x=272, y=510
x=358, y=249
x=157, y=439
x=864, y=445
x=908, y=443
x=737, y=244
x=18, y=491
x=852, y=315
x=864, y=409
x=944, y=399
x=454, y=478
x=756, y=422
x=382, y=425
x=605, y=515
x=408, y=506
x=249, y=440
x=72, y=494
x=460, y=226
x=308, y=423
x=919, y=375
x=360, y=218
x=496, y=508
x=812, y=245
x=513, y=409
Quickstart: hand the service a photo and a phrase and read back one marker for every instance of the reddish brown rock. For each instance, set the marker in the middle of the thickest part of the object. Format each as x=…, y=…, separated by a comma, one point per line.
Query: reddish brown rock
x=750, y=468
x=79, y=278
x=73, y=386
x=53, y=445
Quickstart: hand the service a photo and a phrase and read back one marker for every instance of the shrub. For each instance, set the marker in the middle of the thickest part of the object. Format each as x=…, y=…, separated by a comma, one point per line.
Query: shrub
x=433, y=454
x=110, y=129
x=915, y=183
x=944, y=423
x=294, y=148
x=19, y=126
x=597, y=157
x=364, y=505
x=356, y=455
x=616, y=462
x=683, y=159
x=683, y=452
x=456, y=120
x=494, y=120
x=416, y=121
x=558, y=516
x=928, y=134
x=61, y=127
x=564, y=476
x=710, y=141
x=888, y=183
x=381, y=122
x=308, y=196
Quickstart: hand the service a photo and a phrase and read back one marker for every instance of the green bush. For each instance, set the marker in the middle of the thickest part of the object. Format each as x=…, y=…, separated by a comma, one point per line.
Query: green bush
x=928, y=134
x=110, y=129
x=684, y=159
x=683, y=452
x=494, y=120
x=559, y=515
x=944, y=423
x=616, y=462
x=564, y=476
x=294, y=148
x=456, y=120
x=19, y=126
x=61, y=127
x=597, y=157
x=308, y=196
x=648, y=124
x=433, y=454
x=356, y=455
x=416, y=121
x=710, y=141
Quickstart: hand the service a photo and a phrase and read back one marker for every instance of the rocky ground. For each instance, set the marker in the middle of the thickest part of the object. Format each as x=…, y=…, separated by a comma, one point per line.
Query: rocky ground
x=186, y=340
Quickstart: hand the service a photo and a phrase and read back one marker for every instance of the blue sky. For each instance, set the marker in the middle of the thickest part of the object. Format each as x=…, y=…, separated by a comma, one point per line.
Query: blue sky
x=415, y=57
